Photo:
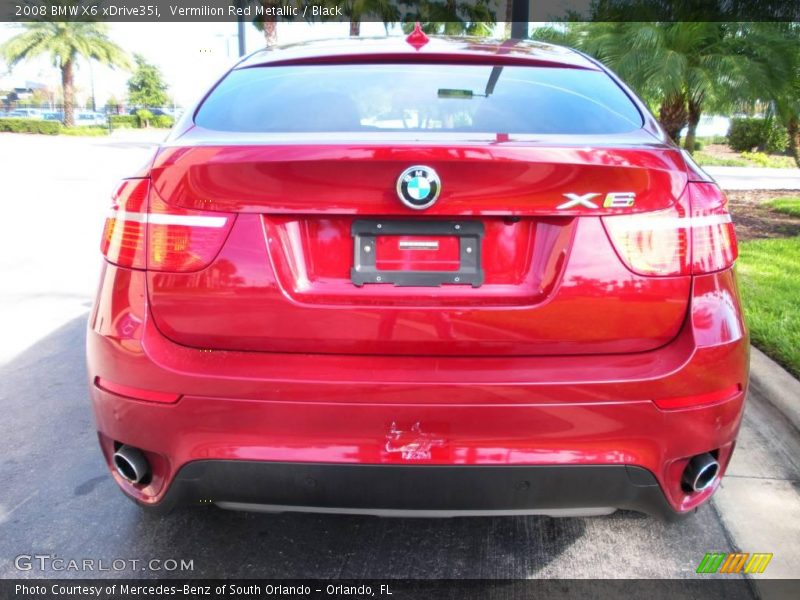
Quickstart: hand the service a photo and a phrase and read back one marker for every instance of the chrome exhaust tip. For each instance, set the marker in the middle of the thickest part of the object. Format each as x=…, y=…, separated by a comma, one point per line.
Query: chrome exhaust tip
x=132, y=465
x=701, y=472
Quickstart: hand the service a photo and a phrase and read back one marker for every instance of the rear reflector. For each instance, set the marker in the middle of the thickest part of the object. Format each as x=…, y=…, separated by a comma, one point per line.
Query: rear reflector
x=709, y=398
x=693, y=237
x=143, y=231
x=134, y=392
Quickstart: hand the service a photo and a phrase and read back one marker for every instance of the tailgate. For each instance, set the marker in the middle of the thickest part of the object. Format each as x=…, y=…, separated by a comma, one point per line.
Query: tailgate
x=324, y=258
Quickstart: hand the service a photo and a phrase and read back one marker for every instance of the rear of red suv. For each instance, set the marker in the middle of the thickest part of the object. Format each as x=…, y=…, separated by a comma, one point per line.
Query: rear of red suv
x=445, y=279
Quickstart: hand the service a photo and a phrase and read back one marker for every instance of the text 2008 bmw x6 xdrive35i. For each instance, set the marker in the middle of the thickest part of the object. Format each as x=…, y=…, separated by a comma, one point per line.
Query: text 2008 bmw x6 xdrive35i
x=444, y=277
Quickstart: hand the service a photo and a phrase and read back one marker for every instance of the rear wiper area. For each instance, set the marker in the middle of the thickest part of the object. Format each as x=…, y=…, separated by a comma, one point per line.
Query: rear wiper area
x=469, y=94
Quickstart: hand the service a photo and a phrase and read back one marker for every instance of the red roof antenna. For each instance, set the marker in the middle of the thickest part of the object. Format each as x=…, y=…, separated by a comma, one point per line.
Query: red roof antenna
x=417, y=38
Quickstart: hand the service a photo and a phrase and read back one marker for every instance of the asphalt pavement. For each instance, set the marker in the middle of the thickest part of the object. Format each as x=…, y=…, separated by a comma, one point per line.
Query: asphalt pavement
x=57, y=499
x=752, y=178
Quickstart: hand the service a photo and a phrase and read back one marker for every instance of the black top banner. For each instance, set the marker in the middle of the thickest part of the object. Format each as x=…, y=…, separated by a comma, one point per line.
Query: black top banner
x=398, y=11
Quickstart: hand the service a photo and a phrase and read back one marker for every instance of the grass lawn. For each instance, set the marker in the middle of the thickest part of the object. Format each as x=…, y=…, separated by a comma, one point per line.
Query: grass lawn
x=769, y=272
x=789, y=205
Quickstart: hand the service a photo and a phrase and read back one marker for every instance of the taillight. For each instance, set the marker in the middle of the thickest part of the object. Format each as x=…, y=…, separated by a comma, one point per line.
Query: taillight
x=143, y=231
x=655, y=243
x=123, y=240
x=713, y=239
x=694, y=236
x=180, y=239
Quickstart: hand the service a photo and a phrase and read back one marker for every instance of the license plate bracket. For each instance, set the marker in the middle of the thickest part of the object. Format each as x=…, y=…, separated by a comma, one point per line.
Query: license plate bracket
x=366, y=231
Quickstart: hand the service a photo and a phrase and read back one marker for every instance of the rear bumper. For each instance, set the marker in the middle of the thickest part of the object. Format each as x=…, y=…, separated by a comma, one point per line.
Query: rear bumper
x=575, y=426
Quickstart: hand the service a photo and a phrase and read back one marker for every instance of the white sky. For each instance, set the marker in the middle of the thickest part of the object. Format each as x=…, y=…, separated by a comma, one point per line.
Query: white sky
x=190, y=55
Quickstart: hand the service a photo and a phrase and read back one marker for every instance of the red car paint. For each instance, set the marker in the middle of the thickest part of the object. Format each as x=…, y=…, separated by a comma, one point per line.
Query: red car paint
x=264, y=350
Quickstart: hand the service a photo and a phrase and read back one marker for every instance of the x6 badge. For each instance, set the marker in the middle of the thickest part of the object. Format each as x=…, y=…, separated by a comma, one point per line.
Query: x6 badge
x=612, y=200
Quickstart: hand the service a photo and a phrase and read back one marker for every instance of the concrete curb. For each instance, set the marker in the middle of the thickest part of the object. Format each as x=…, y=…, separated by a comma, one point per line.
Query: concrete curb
x=776, y=385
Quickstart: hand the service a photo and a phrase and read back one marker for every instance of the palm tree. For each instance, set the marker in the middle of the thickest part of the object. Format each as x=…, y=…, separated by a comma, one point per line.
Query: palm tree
x=65, y=43
x=787, y=95
x=356, y=10
x=681, y=68
x=450, y=17
x=788, y=108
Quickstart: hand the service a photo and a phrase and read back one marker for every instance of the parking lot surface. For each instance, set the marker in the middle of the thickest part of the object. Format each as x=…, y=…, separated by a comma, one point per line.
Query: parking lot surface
x=57, y=498
x=755, y=178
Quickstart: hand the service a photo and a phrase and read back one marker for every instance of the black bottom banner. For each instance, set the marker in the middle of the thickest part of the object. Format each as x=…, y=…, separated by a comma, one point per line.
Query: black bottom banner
x=396, y=589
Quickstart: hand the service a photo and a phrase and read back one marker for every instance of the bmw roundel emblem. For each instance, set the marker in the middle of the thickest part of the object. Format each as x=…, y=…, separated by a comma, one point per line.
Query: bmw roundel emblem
x=418, y=187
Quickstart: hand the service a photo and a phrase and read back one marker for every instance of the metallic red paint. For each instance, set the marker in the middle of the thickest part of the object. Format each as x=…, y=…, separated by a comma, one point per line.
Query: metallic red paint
x=479, y=178
x=490, y=410
x=438, y=49
x=290, y=291
x=563, y=357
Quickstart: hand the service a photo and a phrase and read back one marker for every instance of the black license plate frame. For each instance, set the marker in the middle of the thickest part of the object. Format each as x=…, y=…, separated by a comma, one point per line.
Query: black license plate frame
x=366, y=231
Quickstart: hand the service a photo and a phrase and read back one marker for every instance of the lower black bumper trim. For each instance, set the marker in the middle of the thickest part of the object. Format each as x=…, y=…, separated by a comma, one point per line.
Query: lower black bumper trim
x=402, y=489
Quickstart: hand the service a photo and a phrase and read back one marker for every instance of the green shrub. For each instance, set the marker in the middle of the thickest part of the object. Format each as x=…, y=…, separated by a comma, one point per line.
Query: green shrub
x=162, y=121
x=769, y=160
x=698, y=145
x=145, y=116
x=759, y=158
x=766, y=135
x=745, y=134
x=88, y=131
x=777, y=139
x=31, y=126
x=124, y=121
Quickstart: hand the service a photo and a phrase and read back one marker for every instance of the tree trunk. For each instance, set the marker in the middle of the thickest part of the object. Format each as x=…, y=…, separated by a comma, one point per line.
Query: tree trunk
x=271, y=32
x=793, y=129
x=270, y=24
x=672, y=116
x=509, y=19
x=695, y=110
x=355, y=28
x=68, y=87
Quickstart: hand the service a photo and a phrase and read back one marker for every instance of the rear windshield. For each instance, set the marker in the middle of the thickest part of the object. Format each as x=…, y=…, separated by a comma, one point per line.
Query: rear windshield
x=417, y=98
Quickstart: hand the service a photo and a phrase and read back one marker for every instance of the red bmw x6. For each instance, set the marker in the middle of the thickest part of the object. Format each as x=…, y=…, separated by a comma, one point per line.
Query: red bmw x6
x=425, y=277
